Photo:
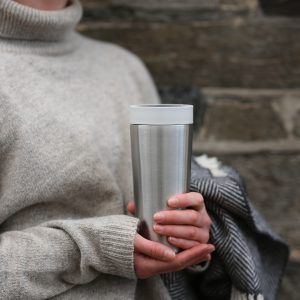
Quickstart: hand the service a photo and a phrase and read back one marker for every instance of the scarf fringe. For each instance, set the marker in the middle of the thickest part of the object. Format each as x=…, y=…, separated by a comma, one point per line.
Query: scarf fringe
x=237, y=295
x=211, y=163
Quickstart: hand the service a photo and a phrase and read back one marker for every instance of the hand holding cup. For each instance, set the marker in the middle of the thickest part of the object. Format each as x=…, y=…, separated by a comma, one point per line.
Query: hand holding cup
x=186, y=228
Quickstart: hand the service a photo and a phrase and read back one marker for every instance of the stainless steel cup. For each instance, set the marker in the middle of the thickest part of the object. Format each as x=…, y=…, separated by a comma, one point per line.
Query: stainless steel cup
x=161, y=145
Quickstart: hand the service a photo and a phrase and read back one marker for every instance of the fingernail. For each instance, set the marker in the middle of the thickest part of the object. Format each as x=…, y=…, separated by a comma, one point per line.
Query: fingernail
x=169, y=254
x=173, y=201
x=158, y=217
x=211, y=248
x=172, y=239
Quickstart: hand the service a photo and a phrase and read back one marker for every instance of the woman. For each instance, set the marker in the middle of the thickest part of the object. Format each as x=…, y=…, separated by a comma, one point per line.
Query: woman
x=65, y=166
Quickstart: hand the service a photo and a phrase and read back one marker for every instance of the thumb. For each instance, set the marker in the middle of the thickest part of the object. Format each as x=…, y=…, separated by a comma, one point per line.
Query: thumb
x=131, y=207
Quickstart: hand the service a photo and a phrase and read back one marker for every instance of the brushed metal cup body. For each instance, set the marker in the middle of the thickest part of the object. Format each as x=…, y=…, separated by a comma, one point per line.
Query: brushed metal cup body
x=161, y=161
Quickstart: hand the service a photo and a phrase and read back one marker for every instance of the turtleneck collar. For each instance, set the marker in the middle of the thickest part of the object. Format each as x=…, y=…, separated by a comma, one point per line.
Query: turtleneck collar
x=22, y=23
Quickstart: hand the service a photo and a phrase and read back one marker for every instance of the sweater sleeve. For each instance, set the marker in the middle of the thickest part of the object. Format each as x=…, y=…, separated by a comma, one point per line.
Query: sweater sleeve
x=43, y=261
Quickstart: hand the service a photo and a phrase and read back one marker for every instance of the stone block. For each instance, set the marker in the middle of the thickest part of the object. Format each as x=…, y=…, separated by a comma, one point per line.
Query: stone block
x=167, y=10
x=229, y=117
x=281, y=7
x=256, y=53
x=169, y=5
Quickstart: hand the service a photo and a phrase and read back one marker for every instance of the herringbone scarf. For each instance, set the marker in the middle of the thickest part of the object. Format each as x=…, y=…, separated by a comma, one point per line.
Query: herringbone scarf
x=249, y=259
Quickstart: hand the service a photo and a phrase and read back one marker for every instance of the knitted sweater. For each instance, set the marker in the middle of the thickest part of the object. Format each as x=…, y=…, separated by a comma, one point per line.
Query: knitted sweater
x=65, y=169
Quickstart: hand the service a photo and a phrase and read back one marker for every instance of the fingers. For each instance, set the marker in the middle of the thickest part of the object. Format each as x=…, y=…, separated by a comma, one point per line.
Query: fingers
x=180, y=217
x=182, y=243
x=146, y=267
x=184, y=232
x=191, y=256
x=183, y=217
x=152, y=249
x=194, y=200
x=131, y=207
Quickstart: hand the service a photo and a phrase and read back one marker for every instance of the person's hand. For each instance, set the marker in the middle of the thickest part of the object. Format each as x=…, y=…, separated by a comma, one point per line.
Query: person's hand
x=186, y=227
x=153, y=258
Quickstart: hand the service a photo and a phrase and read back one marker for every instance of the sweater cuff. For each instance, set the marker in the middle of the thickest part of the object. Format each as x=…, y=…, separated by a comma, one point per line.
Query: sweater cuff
x=104, y=244
x=117, y=242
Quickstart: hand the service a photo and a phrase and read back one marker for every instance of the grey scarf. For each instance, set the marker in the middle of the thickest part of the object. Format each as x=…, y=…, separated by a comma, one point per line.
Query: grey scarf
x=249, y=259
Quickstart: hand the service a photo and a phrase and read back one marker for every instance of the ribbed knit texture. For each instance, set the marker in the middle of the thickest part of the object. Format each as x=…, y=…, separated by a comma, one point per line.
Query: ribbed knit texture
x=25, y=23
x=65, y=167
x=27, y=30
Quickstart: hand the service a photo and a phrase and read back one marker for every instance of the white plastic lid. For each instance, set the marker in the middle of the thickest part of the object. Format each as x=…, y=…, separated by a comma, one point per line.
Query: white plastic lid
x=161, y=114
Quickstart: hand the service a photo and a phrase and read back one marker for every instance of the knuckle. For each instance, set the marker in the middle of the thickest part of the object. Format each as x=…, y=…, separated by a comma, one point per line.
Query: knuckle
x=205, y=236
x=208, y=221
x=192, y=233
x=199, y=198
x=179, y=265
x=153, y=250
x=194, y=216
x=170, y=216
x=195, y=194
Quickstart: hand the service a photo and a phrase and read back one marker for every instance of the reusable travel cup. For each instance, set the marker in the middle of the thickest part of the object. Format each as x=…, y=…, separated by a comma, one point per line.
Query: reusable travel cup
x=161, y=146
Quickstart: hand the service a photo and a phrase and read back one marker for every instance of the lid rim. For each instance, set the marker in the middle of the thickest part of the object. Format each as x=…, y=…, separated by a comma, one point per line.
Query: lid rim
x=161, y=114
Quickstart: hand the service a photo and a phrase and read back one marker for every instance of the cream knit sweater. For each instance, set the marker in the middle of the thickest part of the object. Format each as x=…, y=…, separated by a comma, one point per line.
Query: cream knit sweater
x=65, y=170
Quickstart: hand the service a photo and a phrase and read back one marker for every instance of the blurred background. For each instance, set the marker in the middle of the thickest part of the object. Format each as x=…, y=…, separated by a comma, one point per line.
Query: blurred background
x=238, y=62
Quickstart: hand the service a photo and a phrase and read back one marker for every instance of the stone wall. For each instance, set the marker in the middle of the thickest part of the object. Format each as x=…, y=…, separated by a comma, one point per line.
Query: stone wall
x=238, y=61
